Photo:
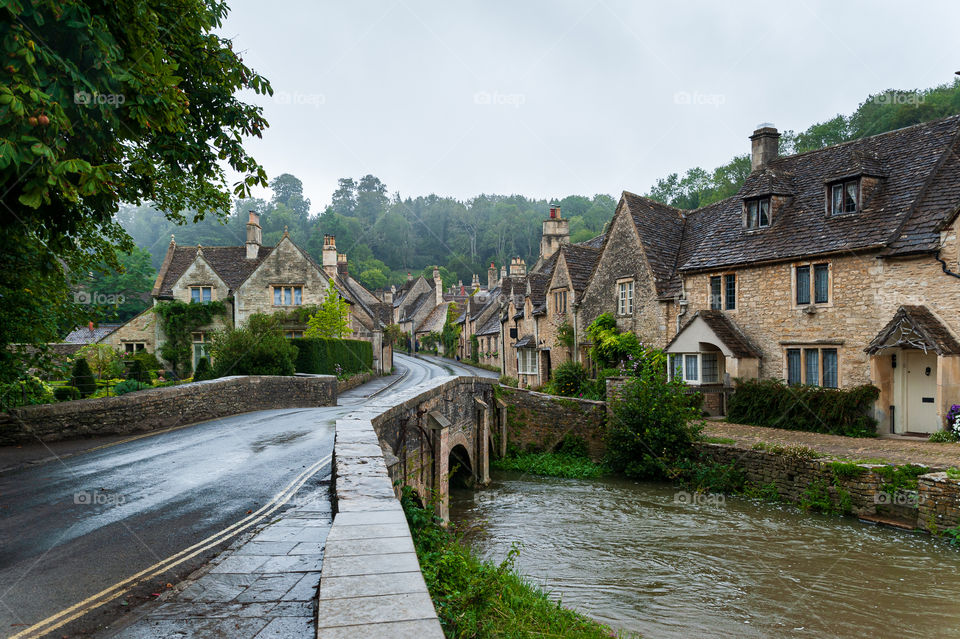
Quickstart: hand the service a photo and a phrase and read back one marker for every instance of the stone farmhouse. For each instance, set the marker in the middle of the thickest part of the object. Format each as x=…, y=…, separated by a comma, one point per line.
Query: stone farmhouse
x=256, y=279
x=836, y=268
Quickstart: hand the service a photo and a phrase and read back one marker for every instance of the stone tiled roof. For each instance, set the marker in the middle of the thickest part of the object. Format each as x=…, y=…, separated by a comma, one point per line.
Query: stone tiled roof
x=767, y=181
x=661, y=230
x=229, y=262
x=726, y=331
x=84, y=335
x=435, y=320
x=918, y=192
x=581, y=260
x=923, y=328
x=491, y=326
x=596, y=242
x=527, y=341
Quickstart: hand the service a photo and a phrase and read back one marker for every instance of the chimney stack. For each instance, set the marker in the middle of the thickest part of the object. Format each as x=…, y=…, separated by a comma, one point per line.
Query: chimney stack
x=437, y=286
x=388, y=295
x=503, y=273
x=518, y=268
x=342, y=264
x=475, y=284
x=491, y=277
x=556, y=232
x=330, y=255
x=764, y=146
x=254, y=236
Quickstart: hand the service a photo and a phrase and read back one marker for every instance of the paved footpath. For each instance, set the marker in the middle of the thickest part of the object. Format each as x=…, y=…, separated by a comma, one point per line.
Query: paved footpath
x=897, y=451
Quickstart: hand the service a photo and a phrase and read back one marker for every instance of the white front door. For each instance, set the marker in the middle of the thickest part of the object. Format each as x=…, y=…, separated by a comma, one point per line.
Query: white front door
x=920, y=392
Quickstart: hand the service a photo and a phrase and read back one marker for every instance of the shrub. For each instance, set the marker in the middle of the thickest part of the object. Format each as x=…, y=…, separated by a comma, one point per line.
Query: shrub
x=322, y=355
x=568, y=378
x=653, y=425
x=506, y=380
x=774, y=404
x=127, y=386
x=137, y=371
x=257, y=348
x=30, y=390
x=943, y=436
x=66, y=393
x=149, y=360
x=204, y=370
x=82, y=377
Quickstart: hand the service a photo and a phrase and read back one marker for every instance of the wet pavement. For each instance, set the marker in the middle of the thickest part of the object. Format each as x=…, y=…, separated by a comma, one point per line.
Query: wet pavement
x=128, y=521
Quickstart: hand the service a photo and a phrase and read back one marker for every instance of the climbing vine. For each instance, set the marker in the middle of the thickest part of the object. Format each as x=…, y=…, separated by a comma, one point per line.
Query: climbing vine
x=178, y=320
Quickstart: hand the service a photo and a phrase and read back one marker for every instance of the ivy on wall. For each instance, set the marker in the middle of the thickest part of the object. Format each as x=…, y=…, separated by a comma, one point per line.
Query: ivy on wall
x=179, y=320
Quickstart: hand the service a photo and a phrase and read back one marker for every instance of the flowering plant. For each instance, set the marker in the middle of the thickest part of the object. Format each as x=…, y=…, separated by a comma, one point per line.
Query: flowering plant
x=953, y=421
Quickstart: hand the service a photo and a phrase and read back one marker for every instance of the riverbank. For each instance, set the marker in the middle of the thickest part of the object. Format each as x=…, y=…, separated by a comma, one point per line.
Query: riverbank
x=477, y=598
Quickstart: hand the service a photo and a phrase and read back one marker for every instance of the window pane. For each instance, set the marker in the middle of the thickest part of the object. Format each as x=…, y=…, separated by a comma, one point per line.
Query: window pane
x=764, y=213
x=793, y=366
x=837, y=199
x=690, y=363
x=821, y=284
x=297, y=295
x=850, y=198
x=286, y=295
x=730, y=300
x=803, y=285
x=752, y=214
x=194, y=294
x=207, y=294
x=629, y=298
x=710, y=372
x=676, y=366
x=715, y=298
x=276, y=296
x=830, y=367
x=812, y=356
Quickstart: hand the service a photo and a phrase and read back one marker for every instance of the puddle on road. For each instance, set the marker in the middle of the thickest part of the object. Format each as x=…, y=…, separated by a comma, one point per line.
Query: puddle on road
x=278, y=440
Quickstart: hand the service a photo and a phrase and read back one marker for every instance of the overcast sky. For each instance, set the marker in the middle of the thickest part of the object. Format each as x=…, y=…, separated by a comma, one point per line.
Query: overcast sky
x=548, y=99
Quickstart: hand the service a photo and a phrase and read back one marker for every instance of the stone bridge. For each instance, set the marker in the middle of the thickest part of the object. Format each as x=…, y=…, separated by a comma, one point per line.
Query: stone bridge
x=444, y=430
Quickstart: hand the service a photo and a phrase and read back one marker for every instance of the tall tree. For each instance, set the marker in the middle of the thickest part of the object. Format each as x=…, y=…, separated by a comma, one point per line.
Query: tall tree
x=332, y=318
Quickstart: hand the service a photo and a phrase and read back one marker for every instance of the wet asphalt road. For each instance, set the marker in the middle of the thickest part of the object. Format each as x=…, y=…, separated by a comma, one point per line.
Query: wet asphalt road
x=70, y=528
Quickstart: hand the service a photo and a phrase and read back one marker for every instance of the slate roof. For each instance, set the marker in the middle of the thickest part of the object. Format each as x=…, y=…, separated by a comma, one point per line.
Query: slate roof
x=918, y=192
x=661, y=231
x=726, y=331
x=527, y=341
x=932, y=332
x=84, y=335
x=596, y=242
x=435, y=320
x=230, y=263
x=491, y=326
x=581, y=260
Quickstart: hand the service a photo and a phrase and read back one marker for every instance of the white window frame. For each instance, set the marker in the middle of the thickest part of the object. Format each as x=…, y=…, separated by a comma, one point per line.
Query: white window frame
x=527, y=361
x=200, y=338
x=200, y=290
x=677, y=364
x=625, y=291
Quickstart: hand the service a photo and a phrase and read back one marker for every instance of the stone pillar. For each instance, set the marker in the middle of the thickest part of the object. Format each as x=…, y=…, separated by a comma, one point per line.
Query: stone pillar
x=440, y=482
x=502, y=425
x=482, y=470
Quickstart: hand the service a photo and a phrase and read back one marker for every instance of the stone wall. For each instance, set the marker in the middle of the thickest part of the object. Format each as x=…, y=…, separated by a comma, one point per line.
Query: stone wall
x=343, y=385
x=938, y=502
x=158, y=408
x=540, y=421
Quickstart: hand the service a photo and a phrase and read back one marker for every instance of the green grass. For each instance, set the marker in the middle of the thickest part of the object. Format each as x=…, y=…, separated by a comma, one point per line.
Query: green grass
x=953, y=473
x=800, y=452
x=718, y=440
x=552, y=465
x=485, y=600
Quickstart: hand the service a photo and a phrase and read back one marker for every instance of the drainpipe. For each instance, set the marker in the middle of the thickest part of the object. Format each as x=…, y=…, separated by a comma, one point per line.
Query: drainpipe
x=943, y=265
x=682, y=304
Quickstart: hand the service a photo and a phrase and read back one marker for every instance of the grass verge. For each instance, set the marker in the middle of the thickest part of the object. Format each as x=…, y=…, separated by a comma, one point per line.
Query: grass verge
x=482, y=599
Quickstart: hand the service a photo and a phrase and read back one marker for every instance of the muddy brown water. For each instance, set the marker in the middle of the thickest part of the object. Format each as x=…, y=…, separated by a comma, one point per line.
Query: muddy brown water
x=649, y=558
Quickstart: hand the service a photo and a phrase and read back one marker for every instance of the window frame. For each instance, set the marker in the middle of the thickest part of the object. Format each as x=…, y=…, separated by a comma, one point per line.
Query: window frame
x=295, y=294
x=524, y=367
x=134, y=347
x=560, y=302
x=812, y=298
x=844, y=190
x=200, y=289
x=724, y=300
x=753, y=219
x=824, y=353
x=678, y=364
x=625, y=293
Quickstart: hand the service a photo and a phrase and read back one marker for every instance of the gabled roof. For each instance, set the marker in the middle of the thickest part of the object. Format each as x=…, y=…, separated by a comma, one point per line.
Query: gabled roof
x=84, y=335
x=917, y=191
x=661, y=230
x=230, y=263
x=580, y=260
x=491, y=326
x=723, y=332
x=435, y=320
x=915, y=327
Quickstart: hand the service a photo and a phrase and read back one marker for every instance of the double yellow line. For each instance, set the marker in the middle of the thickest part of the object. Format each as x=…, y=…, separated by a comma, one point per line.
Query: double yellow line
x=77, y=610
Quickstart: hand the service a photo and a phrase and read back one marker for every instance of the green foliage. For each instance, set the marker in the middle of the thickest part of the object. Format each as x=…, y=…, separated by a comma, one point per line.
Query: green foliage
x=708, y=476
x=953, y=534
x=103, y=359
x=128, y=386
x=900, y=478
x=943, y=437
x=718, y=440
x=117, y=102
x=846, y=470
x=126, y=287
x=394, y=335
x=555, y=464
x=765, y=492
x=610, y=346
x=774, y=404
x=476, y=598
x=324, y=356
x=797, y=452
x=568, y=379
x=178, y=321
x=332, y=318
x=474, y=354
x=257, y=348
x=138, y=372
x=653, y=426
x=203, y=371
x=817, y=496
x=566, y=335
x=506, y=380
x=66, y=393
x=451, y=331
x=29, y=390
x=429, y=341
x=82, y=377
x=148, y=360
x=953, y=473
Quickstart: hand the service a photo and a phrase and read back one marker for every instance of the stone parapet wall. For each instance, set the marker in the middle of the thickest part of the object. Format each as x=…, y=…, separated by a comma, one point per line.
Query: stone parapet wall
x=539, y=421
x=157, y=408
x=938, y=502
x=343, y=385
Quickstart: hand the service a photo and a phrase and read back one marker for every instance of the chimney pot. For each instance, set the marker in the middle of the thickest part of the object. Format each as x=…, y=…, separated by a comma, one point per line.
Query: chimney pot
x=764, y=145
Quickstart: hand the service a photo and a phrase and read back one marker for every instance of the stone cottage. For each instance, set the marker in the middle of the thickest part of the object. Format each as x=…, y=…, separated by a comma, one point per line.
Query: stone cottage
x=256, y=279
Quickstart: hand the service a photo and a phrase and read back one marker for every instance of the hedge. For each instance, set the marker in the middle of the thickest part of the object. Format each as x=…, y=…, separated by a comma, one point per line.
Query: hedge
x=321, y=355
x=813, y=409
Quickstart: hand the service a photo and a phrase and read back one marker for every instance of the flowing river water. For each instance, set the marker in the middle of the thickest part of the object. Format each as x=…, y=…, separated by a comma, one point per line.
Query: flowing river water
x=649, y=558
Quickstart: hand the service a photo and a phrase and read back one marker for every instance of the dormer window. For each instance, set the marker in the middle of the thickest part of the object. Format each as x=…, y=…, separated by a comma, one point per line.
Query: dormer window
x=757, y=213
x=844, y=197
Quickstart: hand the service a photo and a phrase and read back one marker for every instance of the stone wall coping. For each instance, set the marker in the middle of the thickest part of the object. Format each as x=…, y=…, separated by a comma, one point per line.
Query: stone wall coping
x=590, y=402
